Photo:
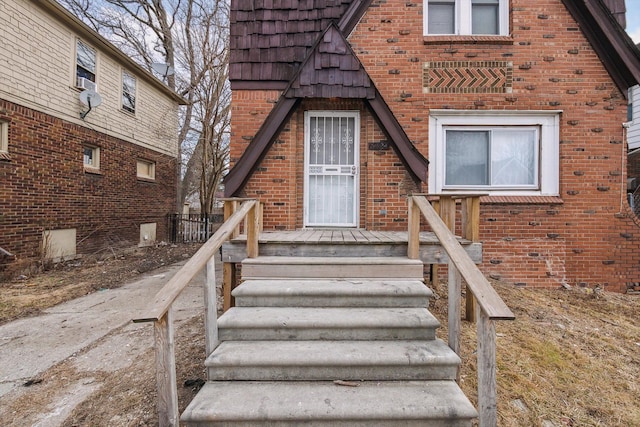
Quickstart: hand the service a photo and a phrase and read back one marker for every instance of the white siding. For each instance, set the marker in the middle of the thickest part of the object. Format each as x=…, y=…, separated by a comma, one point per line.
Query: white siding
x=37, y=70
x=633, y=134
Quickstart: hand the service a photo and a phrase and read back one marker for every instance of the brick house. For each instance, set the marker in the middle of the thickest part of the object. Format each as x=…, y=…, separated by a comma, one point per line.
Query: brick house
x=77, y=178
x=341, y=108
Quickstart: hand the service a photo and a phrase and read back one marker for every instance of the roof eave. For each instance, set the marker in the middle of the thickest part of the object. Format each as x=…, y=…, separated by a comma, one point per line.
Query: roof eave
x=63, y=15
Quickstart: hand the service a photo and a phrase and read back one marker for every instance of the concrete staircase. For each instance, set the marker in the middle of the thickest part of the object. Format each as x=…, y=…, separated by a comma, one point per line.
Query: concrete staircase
x=330, y=341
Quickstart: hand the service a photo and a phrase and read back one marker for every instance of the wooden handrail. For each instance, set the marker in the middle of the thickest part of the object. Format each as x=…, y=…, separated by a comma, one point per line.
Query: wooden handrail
x=159, y=311
x=487, y=298
x=492, y=307
x=167, y=295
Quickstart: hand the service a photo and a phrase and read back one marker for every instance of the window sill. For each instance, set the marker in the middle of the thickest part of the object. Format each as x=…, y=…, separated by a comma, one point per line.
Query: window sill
x=455, y=39
x=127, y=112
x=144, y=179
x=92, y=171
x=521, y=200
x=5, y=156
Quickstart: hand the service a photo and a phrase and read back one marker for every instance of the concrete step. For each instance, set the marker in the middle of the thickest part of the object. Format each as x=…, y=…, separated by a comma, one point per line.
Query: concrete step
x=260, y=403
x=332, y=293
x=332, y=360
x=293, y=323
x=269, y=267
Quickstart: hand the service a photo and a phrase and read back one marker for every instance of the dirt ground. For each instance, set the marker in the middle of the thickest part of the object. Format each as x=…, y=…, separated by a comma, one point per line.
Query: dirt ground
x=571, y=357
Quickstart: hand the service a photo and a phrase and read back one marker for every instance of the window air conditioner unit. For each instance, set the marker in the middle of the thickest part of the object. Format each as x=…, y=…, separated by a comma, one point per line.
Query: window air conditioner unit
x=84, y=83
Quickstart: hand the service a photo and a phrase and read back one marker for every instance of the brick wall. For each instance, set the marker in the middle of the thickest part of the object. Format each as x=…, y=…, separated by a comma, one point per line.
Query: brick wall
x=586, y=236
x=45, y=186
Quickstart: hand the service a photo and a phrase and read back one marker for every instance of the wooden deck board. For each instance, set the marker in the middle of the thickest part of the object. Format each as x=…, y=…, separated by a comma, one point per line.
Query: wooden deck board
x=346, y=242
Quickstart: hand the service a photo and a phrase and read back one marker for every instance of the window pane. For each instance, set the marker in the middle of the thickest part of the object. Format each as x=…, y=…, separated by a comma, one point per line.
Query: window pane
x=88, y=156
x=128, y=92
x=466, y=157
x=86, y=58
x=513, y=157
x=441, y=18
x=484, y=17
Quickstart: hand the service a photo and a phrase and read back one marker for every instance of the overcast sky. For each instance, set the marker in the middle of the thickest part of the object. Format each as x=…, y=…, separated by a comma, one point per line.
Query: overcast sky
x=633, y=19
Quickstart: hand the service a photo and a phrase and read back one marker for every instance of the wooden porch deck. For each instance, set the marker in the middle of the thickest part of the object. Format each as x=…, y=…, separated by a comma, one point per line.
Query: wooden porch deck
x=344, y=242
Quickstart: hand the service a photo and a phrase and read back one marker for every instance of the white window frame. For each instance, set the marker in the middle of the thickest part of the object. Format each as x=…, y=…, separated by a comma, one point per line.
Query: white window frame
x=150, y=167
x=463, y=19
x=549, y=156
x=4, y=137
x=95, y=151
x=77, y=65
x=126, y=108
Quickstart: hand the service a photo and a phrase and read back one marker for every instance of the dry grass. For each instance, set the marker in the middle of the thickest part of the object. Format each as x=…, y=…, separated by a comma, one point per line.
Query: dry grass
x=571, y=358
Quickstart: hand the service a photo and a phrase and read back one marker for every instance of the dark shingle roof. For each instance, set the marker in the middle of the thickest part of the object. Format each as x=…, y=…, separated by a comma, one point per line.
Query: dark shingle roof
x=332, y=70
x=269, y=39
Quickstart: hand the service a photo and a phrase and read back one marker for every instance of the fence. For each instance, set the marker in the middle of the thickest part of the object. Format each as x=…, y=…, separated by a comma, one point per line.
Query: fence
x=192, y=228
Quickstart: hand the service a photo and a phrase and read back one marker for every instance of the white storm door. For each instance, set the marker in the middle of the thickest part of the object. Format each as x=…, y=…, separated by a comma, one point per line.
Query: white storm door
x=331, y=168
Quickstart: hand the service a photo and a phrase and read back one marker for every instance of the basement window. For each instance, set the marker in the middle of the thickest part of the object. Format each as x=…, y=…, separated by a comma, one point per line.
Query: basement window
x=91, y=158
x=146, y=169
x=4, y=140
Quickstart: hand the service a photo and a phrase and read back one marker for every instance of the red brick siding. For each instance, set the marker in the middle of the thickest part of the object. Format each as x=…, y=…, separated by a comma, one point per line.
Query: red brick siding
x=44, y=186
x=588, y=238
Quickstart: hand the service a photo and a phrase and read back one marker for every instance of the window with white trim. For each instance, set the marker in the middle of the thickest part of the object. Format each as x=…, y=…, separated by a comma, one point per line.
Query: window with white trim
x=91, y=157
x=85, y=66
x=128, y=92
x=502, y=153
x=146, y=169
x=466, y=17
x=4, y=137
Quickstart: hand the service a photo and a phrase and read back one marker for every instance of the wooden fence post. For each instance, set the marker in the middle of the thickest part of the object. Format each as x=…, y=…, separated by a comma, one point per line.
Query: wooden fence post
x=166, y=371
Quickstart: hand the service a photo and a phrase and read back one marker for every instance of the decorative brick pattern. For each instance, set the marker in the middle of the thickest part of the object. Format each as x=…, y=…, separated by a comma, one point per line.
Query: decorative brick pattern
x=467, y=77
x=573, y=236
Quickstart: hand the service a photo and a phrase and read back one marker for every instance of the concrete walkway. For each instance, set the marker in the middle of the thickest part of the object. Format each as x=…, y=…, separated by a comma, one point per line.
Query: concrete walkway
x=96, y=328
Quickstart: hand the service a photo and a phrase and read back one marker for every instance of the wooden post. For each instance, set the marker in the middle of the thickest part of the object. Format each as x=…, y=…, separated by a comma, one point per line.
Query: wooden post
x=211, y=306
x=454, y=286
x=413, y=251
x=229, y=281
x=487, y=393
x=252, y=227
x=230, y=207
x=166, y=371
x=471, y=231
x=434, y=267
x=229, y=269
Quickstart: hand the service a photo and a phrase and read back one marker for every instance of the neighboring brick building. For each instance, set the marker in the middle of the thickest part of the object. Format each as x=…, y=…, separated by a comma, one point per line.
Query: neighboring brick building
x=530, y=111
x=75, y=179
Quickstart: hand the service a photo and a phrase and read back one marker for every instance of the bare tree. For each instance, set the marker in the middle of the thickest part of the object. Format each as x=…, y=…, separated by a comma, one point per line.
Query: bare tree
x=190, y=36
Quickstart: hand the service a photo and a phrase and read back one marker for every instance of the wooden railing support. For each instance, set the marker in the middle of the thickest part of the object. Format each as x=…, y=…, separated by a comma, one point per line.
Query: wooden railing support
x=167, y=404
x=413, y=251
x=490, y=306
x=486, y=360
x=160, y=310
x=211, y=307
